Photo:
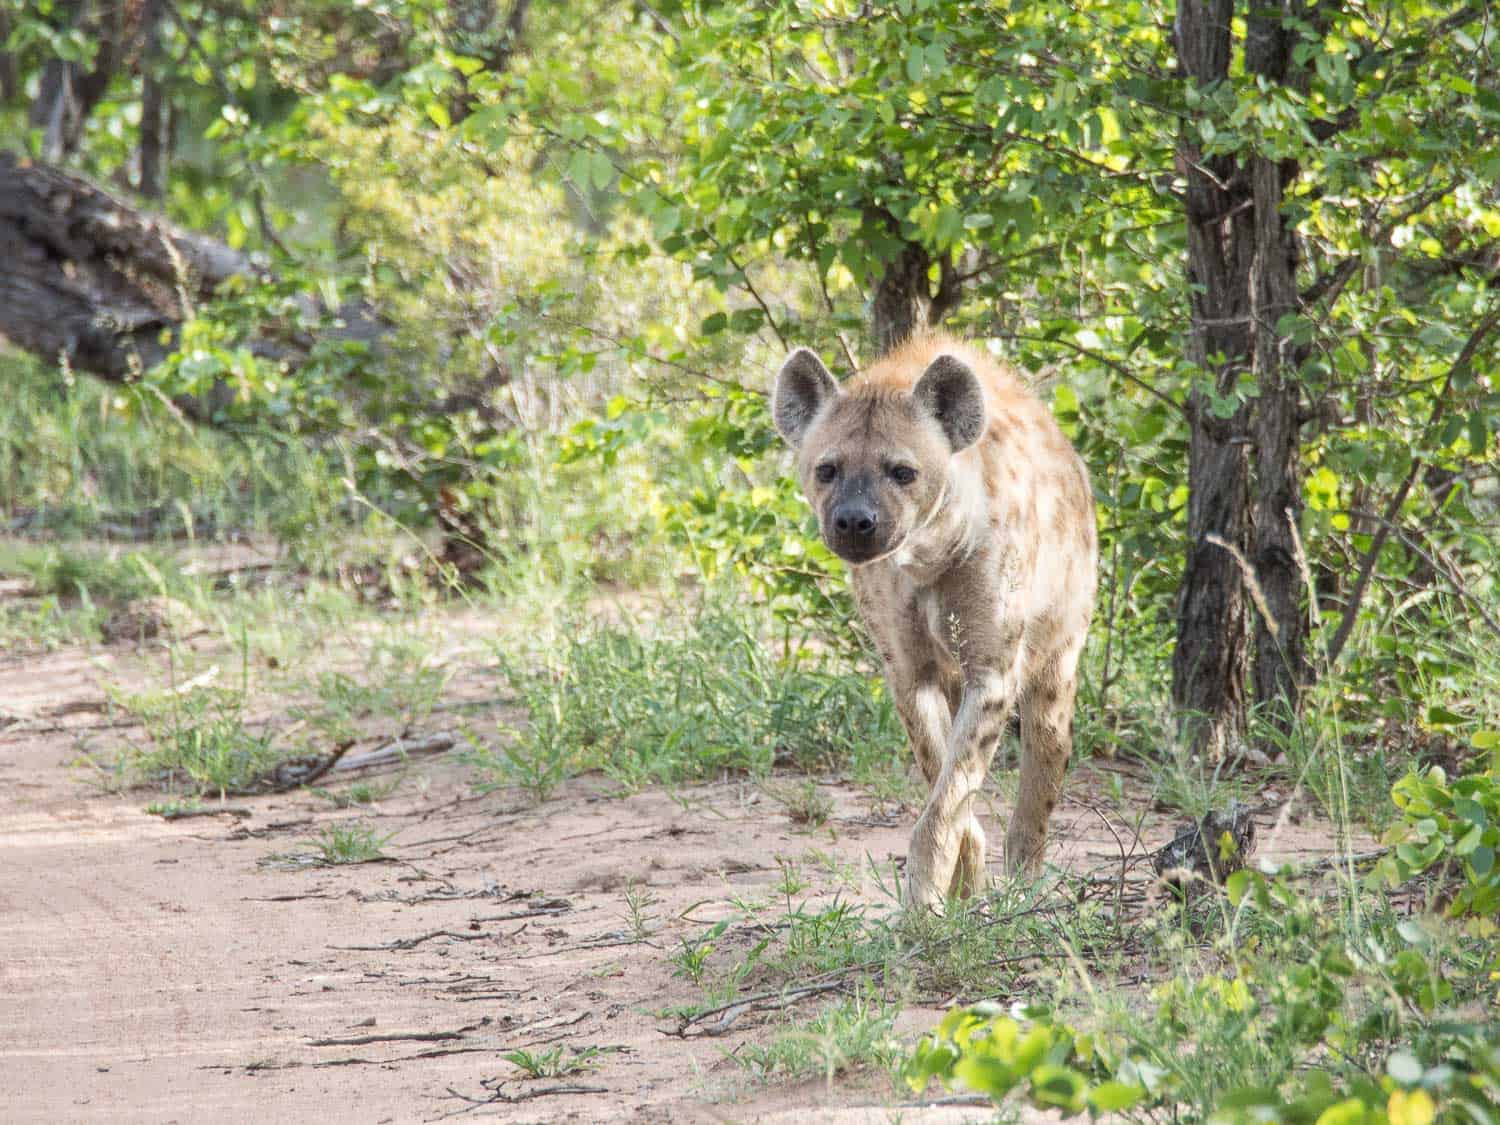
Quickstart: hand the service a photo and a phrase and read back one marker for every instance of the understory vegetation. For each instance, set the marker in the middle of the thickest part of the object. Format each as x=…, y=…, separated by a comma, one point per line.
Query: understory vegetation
x=587, y=235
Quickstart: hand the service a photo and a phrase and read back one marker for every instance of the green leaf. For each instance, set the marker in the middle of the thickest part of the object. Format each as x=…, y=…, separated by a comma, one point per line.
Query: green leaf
x=1111, y=1097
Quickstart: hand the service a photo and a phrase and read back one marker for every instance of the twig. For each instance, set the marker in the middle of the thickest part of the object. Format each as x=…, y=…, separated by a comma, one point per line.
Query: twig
x=952, y=1100
x=396, y=751
x=410, y=943
x=222, y=810
x=730, y=1013
x=1460, y=365
x=394, y=1037
x=499, y=1095
x=1329, y=862
x=1440, y=565
x=1098, y=357
x=435, y=1053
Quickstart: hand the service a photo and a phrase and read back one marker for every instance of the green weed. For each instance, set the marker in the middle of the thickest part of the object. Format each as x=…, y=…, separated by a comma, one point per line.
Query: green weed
x=804, y=803
x=359, y=793
x=197, y=743
x=337, y=845
x=690, y=701
x=855, y=1032
x=341, y=844
x=555, y=1062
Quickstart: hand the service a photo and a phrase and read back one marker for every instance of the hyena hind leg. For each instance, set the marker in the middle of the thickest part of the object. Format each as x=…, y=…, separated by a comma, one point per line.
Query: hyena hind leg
x=1046, y=743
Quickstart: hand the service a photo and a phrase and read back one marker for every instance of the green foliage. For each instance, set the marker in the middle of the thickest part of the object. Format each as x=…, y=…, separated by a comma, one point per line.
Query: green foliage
x=198, y=743
x=692, y=699
x=992, y=1053
x=349, y=843
x=1453, y=826
x=91, y=575
x=398, y=681
x=554, y=1062
x=854, y=1032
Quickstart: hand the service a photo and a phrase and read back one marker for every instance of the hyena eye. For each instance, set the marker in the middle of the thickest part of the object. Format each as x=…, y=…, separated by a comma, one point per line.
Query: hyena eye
x=903, y=474
x=826, y=472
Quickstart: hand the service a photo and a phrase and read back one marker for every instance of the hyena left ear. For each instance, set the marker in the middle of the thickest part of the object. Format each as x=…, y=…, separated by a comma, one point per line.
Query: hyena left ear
x=950, y=391
x=802, y=387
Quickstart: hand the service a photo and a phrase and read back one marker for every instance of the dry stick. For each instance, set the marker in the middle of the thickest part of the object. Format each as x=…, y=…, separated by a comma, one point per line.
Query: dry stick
x=187, y=814
x=731, y=1012
x=397, y=750
x=436, y=1053
x=1329, y=862
x=509, y=1099
x=413, y=942
x=392, y=1037
x=1459, y=366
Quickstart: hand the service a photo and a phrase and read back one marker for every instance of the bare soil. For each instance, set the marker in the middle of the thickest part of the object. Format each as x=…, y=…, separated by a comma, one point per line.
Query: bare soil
x=172, y=971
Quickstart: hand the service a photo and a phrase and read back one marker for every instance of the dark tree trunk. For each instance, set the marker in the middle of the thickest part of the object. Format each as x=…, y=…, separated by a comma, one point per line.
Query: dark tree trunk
x=1281, y=669
x=478, y=35
x=91, y=281
x=1280, y=629
x=904, y=302
x=1209, y=662
x=69, y=93
x=1242, y=262
x=902, y=299
x=10, y=75
x=152, y=176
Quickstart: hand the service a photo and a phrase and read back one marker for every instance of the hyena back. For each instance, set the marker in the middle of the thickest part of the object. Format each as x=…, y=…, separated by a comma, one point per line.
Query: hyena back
x=968, y=523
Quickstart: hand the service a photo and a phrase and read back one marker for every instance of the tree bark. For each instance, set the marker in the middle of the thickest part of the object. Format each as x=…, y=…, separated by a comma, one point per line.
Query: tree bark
x=151, y=178
x=69, y=93
x=95, y=283
x=474, y=23
x=1209, y=661
x=1280, y=668
x=904, y=301
x=10, y=74
x=1242, y=262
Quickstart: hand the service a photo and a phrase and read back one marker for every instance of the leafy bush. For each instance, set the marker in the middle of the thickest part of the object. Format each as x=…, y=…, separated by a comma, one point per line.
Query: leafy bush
x=993, y=1053
x=1332, y=1011
x=1454, y=828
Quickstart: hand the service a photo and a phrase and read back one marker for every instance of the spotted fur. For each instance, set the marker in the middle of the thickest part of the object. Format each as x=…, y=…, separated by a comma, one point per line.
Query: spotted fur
x=976, y=577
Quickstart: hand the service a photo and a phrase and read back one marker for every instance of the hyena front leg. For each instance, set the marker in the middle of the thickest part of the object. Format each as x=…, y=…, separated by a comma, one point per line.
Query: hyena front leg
x=926, y=710
x=1046, y=743
x=937, y=862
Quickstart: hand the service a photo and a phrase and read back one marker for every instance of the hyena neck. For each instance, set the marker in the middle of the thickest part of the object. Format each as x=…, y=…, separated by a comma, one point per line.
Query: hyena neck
x=948, y=535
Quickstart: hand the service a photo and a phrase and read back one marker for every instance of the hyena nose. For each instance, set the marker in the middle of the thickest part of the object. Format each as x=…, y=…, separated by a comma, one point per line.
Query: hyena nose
x=855, y=519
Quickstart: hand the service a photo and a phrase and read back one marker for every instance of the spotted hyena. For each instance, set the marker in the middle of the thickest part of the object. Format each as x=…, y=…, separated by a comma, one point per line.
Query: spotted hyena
x=967, y=522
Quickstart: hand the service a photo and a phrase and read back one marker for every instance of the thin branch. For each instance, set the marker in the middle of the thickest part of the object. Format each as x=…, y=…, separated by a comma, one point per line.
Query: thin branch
x=1436, y=561
x=759, y=300
x=1331, y=283
x=1098, y=357
x=1460, y=366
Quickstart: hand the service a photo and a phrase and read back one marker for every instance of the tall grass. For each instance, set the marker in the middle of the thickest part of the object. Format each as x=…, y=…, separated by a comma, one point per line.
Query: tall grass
x=688, y=699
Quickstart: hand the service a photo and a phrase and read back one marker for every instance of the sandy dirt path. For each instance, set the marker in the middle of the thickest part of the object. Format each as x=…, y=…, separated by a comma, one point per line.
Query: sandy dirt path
x=175, y=972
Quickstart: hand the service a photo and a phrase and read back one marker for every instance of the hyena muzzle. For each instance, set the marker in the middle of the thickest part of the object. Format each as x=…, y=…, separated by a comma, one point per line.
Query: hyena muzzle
x=967, y=522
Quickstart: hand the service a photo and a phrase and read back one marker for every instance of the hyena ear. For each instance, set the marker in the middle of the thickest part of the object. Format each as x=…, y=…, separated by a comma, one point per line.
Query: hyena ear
x=950, y=391
x=802, y=387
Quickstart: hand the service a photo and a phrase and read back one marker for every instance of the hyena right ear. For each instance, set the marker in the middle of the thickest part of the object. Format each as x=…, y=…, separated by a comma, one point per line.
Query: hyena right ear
x=802, y=387
x=950, y=391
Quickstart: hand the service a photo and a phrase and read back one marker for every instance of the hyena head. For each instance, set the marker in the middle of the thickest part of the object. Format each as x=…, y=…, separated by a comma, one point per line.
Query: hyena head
x=874, y=460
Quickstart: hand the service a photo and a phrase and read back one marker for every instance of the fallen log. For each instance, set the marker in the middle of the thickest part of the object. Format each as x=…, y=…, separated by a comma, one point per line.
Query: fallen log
x=95, y=282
